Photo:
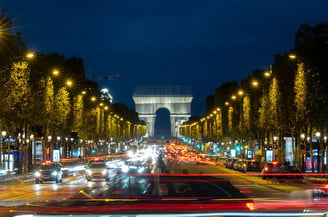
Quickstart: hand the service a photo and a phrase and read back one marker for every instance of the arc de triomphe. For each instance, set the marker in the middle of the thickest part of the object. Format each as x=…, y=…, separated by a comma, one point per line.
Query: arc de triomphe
x=175, y=98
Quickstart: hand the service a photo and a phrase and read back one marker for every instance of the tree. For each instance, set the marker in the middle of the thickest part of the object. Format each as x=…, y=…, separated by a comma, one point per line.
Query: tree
x=62, y=107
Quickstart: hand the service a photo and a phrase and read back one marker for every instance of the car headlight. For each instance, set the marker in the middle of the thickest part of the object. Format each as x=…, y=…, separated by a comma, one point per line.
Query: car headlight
x=89, y=172
x=37, y=174
x=141, y=169
x=104, y=172
x=125, y=169
x=54, y=173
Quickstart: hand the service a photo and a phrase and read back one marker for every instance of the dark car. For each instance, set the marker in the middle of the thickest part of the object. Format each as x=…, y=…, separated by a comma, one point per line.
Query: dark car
x=272, y=170
x=49, y=171
x=253, y=165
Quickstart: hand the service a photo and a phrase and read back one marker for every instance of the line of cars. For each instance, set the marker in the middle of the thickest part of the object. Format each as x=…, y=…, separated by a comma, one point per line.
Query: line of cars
x=243, y=165
x=94, y=169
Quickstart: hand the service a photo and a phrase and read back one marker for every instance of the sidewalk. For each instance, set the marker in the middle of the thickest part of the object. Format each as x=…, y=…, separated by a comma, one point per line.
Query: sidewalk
x=12, y=177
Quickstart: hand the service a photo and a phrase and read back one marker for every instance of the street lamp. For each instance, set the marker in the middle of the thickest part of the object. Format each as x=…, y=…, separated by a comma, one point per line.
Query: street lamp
x=30, y=55
x=84, y=92
x=255, y=83
x=93, y=98
x=292, y=56
x=267, y=74
x=240, y=92
x=233, y=97
x=55, y=72
x=69, y=83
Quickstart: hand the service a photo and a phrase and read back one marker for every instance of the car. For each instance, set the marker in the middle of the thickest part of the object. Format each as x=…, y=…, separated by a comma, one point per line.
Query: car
x=253, y=165
x=134, y=167
x=49, y=171
x=242, y=165
x=97, y=170
x=272, y=170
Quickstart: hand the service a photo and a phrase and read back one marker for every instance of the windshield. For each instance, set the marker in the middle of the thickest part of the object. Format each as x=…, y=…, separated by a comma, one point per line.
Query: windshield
x=97, y=166
x=163, y=107
x=47, y=167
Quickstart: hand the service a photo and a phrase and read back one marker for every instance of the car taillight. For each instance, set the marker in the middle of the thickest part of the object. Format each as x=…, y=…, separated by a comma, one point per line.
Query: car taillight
x=250, y=206
x=274, y=162
x=266, y=168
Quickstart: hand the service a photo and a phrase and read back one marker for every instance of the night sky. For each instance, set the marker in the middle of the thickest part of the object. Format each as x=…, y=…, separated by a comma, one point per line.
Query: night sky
x=201, y=43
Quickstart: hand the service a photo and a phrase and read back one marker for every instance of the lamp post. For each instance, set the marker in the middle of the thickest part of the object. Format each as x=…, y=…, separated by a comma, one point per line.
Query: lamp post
x=3, y=135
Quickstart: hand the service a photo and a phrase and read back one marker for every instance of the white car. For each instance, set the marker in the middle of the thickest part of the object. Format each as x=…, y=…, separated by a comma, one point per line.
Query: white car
x=97, y=170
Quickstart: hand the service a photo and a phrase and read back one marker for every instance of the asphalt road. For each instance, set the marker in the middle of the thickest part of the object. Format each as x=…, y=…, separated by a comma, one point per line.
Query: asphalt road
x=26, y=191
x=250, y=183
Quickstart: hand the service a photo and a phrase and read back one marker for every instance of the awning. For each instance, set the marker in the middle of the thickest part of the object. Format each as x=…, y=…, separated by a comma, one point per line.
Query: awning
x=259, y=152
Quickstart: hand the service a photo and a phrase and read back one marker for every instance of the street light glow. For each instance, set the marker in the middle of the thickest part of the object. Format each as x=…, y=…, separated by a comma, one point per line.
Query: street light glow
x=255, y=83
x=69, y=83
x=292, y=56
x=267, y=74
x=226, y=103
x=55, y=72
x=30, y=55
x=240, y=92
x=106, y=108
x=101, y=104
x=93, y=98
x=233, y=97
x=84, y=92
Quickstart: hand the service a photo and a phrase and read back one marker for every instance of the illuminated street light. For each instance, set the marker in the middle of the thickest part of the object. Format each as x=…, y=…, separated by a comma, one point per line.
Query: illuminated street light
x=292, y=56
x=233, y=97
x=84, y=92
x=218, y=109
x=69, y=83
x=3, y=133
x=101, y=104
x=255, y=83
x=317, y=134
x=106, y=108
x=30, y=55
x=58, y=138
x=303, y=136
x=49, y=137
x=240, y=92
x=226, y=103
x=55, y=72
x=267, y=74
x=214, y=112
x=93, y=98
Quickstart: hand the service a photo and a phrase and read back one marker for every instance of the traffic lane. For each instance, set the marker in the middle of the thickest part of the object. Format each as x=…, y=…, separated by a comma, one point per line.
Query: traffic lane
x=250, y=184
x=25, y=191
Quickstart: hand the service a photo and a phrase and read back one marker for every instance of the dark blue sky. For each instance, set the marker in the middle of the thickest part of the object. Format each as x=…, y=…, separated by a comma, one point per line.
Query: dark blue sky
x=203, y=43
